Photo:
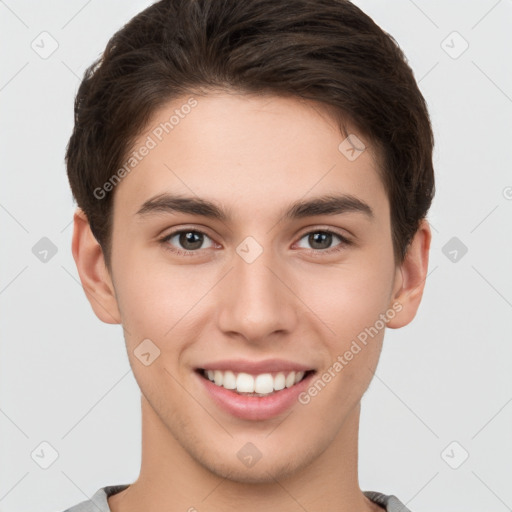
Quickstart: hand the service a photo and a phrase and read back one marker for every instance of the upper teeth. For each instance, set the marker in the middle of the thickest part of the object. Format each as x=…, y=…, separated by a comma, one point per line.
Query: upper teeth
x=263, y=383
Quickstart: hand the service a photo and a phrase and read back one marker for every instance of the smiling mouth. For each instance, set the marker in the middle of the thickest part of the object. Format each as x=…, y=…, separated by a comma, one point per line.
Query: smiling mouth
x=260, y=385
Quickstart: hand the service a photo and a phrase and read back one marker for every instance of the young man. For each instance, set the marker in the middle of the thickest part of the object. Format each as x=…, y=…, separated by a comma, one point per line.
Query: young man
x=252, y=180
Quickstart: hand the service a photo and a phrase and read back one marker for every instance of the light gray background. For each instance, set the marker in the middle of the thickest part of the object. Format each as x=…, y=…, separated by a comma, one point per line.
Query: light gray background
x=65, y=377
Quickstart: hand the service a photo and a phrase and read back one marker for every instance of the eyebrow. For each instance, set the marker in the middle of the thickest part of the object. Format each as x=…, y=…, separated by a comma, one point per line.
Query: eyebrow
x=323, y=205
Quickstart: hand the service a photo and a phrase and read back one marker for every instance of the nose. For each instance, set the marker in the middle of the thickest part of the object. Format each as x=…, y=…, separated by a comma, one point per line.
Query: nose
x=256, y=302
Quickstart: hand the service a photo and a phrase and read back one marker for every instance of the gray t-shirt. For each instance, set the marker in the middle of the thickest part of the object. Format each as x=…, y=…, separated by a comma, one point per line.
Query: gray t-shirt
x=99, y=503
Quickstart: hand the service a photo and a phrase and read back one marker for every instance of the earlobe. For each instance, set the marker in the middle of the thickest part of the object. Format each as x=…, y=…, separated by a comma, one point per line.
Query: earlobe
x=94, y=275
x=411, y=276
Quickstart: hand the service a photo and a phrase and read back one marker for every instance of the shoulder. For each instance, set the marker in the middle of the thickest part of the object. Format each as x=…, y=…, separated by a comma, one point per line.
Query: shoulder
x=98, y=501
x=390, y=502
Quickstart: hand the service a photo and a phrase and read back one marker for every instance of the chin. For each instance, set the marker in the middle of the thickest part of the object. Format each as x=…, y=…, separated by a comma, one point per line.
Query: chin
x=261, y=473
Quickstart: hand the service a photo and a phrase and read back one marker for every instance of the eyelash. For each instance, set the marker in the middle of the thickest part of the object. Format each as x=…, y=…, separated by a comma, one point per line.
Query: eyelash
x=316, y=252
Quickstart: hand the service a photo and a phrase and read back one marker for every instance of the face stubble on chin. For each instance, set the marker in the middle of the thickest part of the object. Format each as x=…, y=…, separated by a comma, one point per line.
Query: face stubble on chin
x=252, y=157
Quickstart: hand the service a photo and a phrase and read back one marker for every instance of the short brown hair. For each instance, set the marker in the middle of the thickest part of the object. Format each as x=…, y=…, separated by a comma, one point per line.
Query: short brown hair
x=328, y=51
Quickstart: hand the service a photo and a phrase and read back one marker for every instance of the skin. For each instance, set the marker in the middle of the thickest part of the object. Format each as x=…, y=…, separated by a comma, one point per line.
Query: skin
x=254, y=156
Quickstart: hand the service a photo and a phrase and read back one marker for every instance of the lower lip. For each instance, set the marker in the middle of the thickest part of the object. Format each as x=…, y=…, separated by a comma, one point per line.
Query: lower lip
x=255, y=407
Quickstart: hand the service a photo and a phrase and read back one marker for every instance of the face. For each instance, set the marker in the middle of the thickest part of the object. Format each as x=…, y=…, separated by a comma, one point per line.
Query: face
x=258, y=293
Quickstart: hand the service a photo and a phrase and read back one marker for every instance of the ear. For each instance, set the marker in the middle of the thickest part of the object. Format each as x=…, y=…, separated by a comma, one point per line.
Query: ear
x=410, y=278
x=94, y=275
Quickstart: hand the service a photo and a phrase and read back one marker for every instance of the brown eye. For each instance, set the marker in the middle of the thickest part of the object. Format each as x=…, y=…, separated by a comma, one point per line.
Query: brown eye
x=186, y=240
x=322, y=240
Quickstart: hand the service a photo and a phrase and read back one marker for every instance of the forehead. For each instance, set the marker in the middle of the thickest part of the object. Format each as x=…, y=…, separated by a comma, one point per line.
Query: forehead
x=252, y=152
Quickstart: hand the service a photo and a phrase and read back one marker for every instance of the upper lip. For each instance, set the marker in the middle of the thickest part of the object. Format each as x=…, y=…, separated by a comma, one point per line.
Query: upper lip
x=255, y=367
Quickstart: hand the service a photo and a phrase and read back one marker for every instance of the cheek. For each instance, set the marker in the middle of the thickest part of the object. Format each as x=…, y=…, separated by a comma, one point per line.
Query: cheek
x=351, y=303
x=147, y=299
x=161, y=302
x=156, y=312
x=350, y=298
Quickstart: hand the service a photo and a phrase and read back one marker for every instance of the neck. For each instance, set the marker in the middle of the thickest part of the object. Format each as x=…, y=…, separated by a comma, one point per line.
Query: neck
x=170, y=479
